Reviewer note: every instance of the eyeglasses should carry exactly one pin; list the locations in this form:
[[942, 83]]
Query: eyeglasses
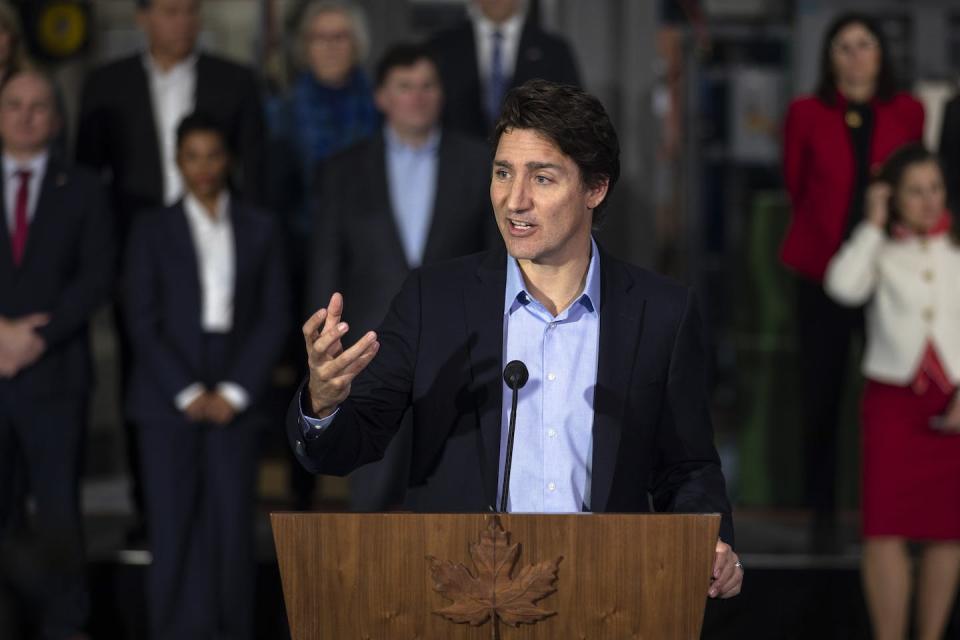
[[329, 37], [862, 45]]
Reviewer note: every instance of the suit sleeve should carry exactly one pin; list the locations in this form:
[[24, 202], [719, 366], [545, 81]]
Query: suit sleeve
[[794, 171], [381, 394], [567, 66], [687, 475], [262, 346], [93, 276], [92, 140], [141, 305]]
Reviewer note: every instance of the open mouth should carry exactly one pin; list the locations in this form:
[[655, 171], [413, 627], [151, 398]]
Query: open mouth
[[519, 225]]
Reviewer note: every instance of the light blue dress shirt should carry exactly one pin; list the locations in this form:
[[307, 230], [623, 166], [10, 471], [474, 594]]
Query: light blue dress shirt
[[553, 443], [412, 182]]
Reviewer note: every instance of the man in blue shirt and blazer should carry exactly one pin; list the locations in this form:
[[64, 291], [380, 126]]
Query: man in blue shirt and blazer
[[616, 396]]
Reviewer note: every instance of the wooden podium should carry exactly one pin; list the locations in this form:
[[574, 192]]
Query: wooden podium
[[400, 576]]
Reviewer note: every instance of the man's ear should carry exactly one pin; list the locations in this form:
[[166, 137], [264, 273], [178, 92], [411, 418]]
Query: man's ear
[[597, 193]]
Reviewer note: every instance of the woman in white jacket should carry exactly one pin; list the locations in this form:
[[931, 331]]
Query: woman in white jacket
[[904, 264]]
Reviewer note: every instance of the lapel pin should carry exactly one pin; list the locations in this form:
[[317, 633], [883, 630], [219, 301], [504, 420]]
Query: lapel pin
[[61, 179], [534, 53]]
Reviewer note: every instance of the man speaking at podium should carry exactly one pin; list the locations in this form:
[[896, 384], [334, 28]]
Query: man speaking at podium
[[614, 416]]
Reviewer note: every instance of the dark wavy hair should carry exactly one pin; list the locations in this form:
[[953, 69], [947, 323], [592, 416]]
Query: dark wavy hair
[[827, 84], [573, 120], [896, 166], [404, 54]]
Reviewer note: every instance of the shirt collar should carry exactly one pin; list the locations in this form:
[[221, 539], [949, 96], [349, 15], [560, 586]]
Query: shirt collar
[[187, 65], [394, 143], [197, 213], [35, 165], [510, 29], [516, 294]]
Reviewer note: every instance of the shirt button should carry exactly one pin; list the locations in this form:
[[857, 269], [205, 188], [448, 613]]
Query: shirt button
[[551, 376], [552, 486], [928, 275], [552, 433], [928, 314]]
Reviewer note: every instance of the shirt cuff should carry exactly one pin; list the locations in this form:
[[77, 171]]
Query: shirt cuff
[[186, 397], [235, 395], [312, 427]]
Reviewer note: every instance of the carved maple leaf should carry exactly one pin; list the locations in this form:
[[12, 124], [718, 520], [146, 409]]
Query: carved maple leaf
[[493, 591]]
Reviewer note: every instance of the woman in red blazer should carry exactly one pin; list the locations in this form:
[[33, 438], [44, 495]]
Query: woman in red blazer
[[834, 141]]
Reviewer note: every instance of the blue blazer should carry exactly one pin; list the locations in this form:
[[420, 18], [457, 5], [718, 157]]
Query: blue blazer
[[441, 351], [163, 307]]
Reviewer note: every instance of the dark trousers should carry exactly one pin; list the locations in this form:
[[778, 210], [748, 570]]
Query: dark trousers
[[41, 442], [825, 333], [199, 483]]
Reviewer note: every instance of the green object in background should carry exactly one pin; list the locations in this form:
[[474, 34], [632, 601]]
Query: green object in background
[[771, 447]]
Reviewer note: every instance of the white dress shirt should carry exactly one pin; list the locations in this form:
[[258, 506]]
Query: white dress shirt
[[37, 166], [913, 289], [214, 247], [483, 30], [173, 95]]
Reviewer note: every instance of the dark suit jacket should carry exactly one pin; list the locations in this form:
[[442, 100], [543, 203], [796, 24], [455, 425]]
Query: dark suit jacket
[[162, 307], [357, 248], [117, 133], [441, 354], [67, 271], [540, 55], [950, 152]]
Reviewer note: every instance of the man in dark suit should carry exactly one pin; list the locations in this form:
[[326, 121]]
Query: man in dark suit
[[56, 269], [128, 117], [497, 49], [423, 197], [206, 303], [607, 345]]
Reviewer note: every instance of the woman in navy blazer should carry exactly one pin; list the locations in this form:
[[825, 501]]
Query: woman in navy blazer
[[206, 302], [834, 141]]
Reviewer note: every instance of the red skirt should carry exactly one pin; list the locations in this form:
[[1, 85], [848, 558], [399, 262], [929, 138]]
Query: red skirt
[[911, 472]]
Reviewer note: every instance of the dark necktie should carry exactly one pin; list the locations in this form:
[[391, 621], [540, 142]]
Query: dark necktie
[[497, 85], [20, 224]]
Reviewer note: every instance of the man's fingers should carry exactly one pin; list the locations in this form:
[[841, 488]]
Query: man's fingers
[[311, 328], [329, 341], [336, 367], [358, 365], [334, 312]]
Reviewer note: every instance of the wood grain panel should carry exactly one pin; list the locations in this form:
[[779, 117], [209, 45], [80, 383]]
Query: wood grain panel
[[366, 576]]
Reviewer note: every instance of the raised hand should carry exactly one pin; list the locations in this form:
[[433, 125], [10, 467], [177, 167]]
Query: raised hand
[[878, 203], [332, 369]]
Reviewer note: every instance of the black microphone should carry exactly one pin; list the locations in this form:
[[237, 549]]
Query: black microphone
[[515, 374]]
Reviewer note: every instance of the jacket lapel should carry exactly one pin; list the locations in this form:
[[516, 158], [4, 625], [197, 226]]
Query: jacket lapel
[[244, 255], [378, 180], [49, 203], [181, 247], [445, 203], [141, 103], [621, 322], [483, 302]]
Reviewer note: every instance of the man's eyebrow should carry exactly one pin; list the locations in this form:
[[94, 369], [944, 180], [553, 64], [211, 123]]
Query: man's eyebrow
[[502, 163], [544, 165]]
